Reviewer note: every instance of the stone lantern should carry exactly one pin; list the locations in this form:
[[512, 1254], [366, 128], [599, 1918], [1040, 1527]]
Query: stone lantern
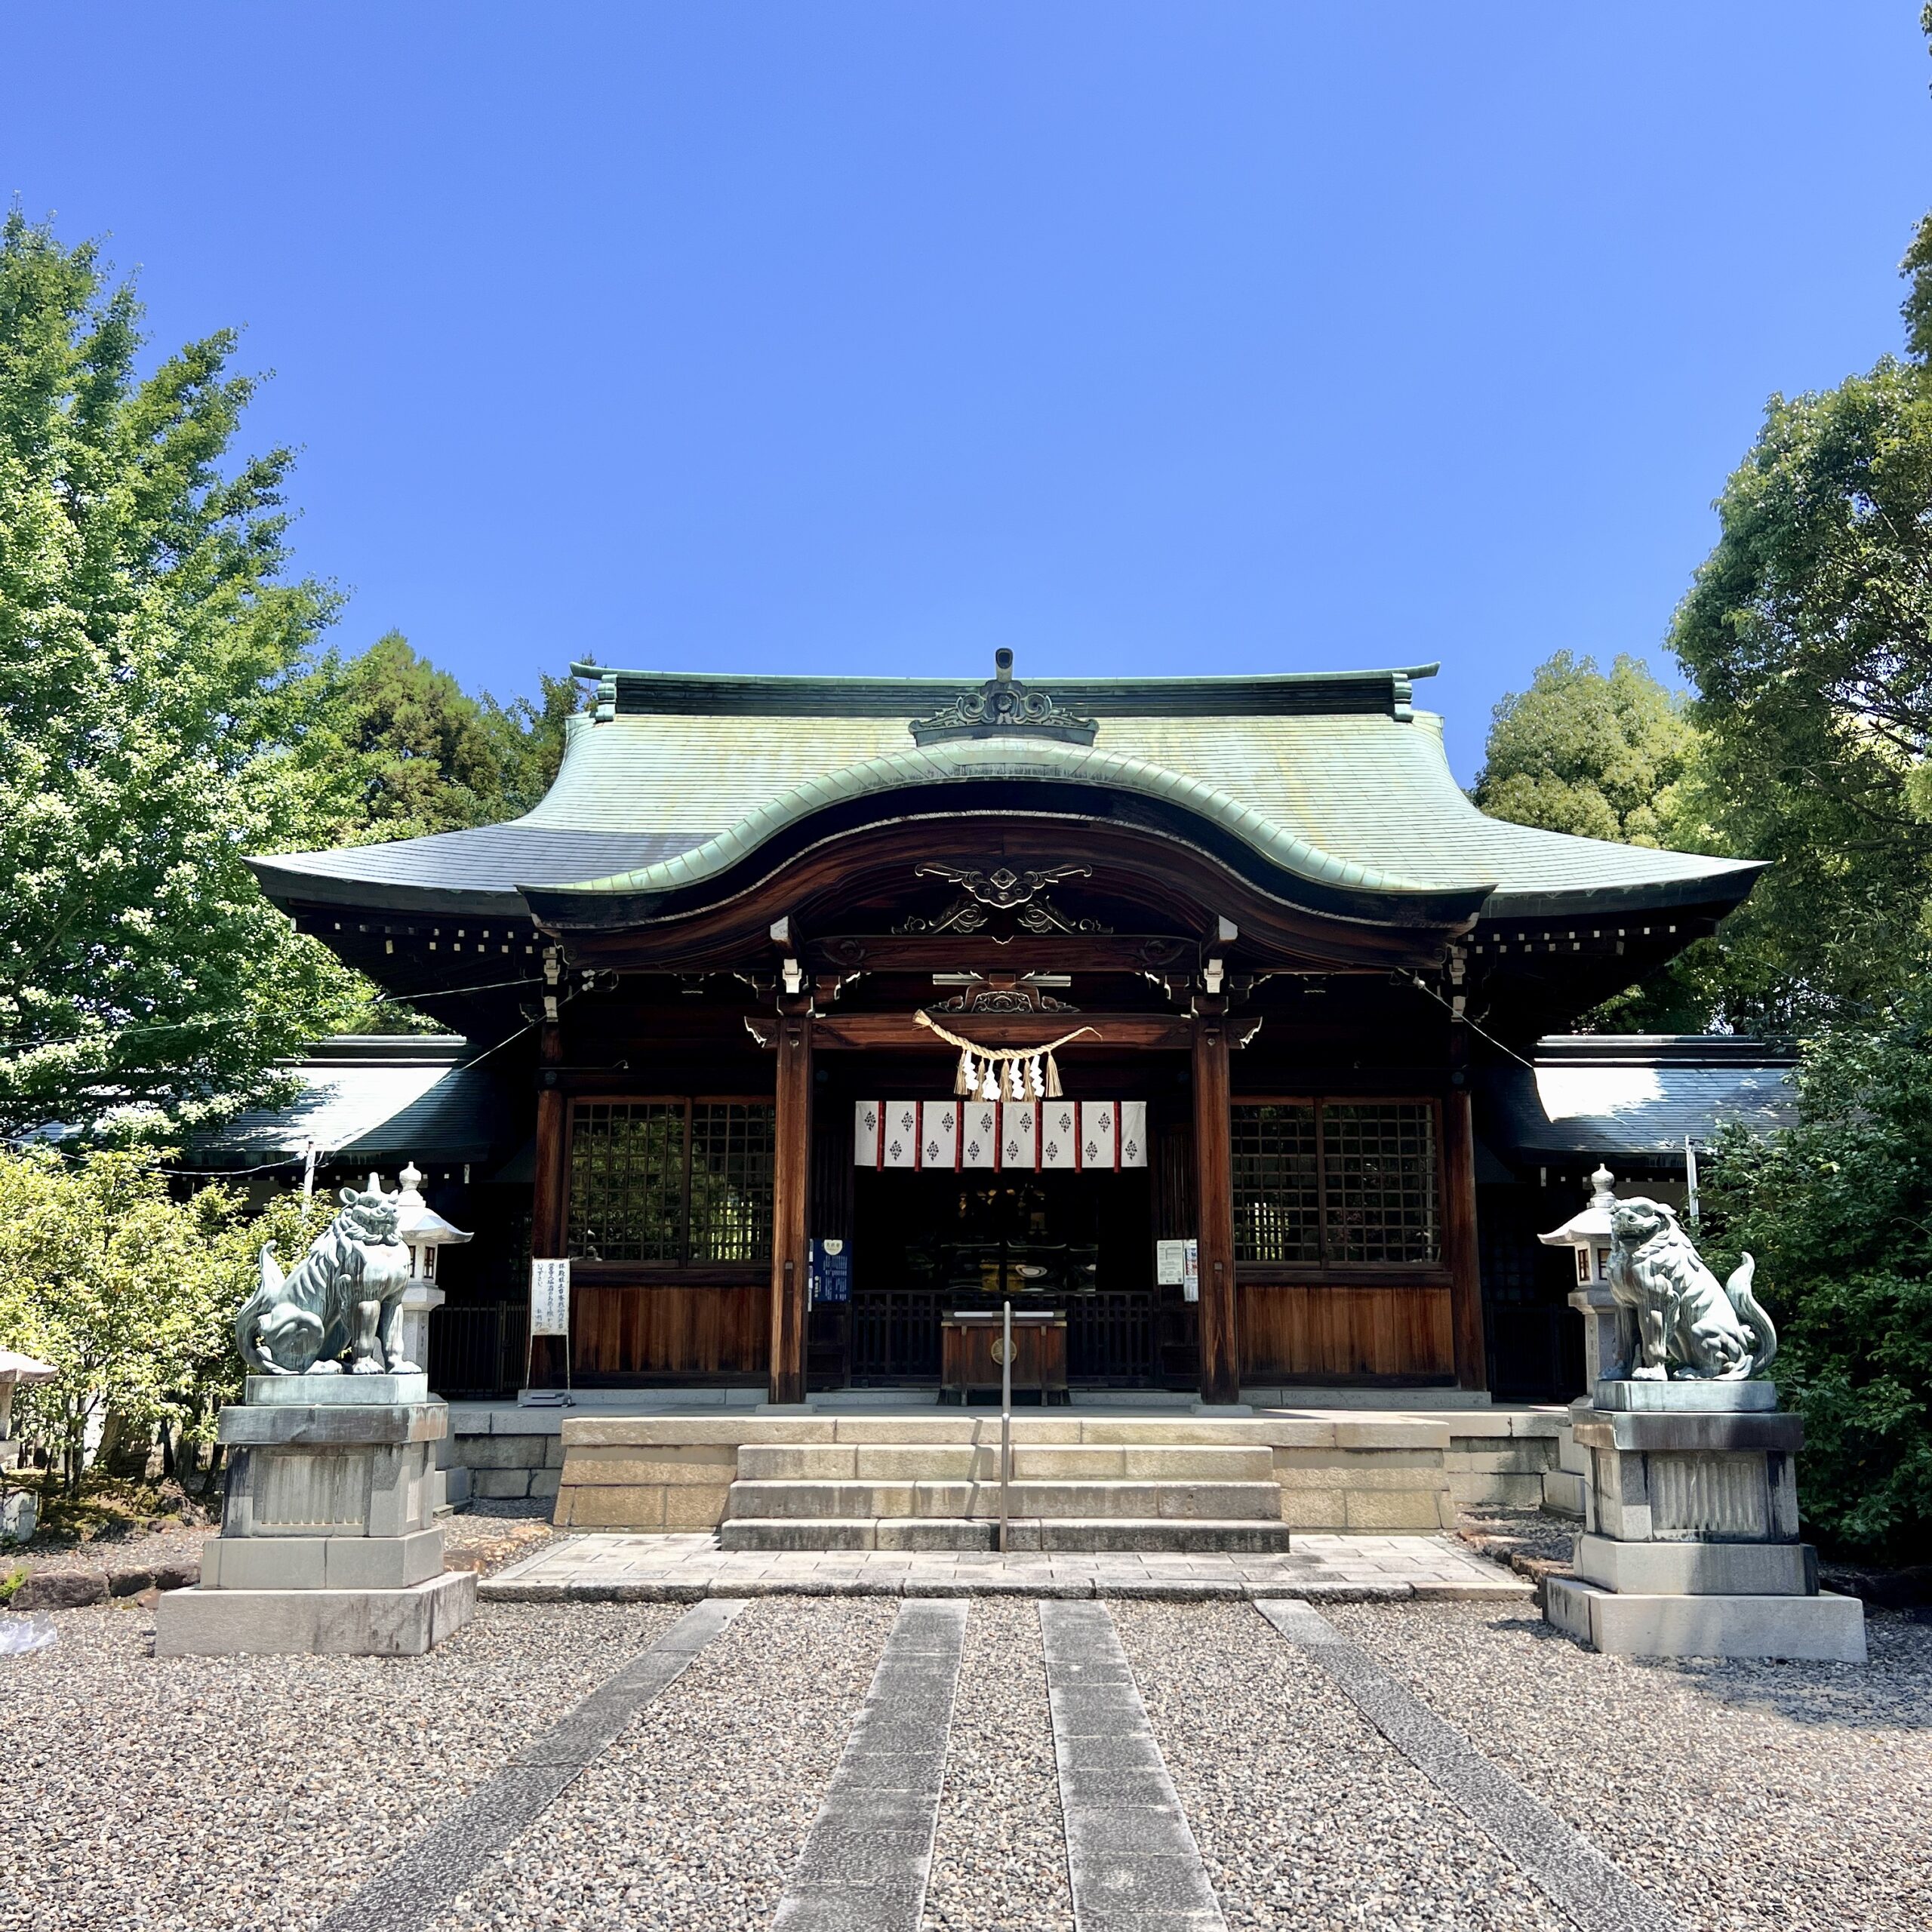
[[1588, 1237], [423, 1231]]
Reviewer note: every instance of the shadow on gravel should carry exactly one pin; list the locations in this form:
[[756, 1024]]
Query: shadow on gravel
[[1892, 1691]]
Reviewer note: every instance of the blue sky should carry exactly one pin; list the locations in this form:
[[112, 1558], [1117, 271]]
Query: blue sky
[[805, 336]]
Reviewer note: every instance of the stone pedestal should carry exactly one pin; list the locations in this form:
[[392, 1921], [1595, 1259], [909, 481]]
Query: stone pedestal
[[329, 1542], [1690, 1546], [420, 1300]]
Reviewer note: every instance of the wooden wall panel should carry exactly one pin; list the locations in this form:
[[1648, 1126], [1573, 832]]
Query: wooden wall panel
[[1321, 1333], [671, 1330]]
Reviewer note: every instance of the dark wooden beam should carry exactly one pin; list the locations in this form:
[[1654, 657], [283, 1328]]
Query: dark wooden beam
[[1459, 1239], [791, 1190], [1174, 881], [550, 1197], [1146, 1030], [1024, 953], [1220, 1351]]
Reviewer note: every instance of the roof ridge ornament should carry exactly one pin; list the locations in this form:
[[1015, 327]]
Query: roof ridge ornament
[[1003, 704]]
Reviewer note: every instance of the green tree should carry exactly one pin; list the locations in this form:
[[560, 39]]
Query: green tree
[[411, 753], [1808, 632], [1611, 755], [1599, 754], [1837, 1210], [154, 704]]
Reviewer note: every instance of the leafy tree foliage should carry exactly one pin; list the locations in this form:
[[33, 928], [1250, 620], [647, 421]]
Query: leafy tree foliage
[[1611, 755], [128, 1294], [419, 754], [1837, 1210], [164, 711], [151, 650], [1599, 754], [1809, 634]]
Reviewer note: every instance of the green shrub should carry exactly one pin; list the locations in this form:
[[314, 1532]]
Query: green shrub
[[131, 1296], [1838, 1210]]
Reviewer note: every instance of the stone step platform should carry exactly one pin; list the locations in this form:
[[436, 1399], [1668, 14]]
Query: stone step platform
[[1250, 1502], [1364, 1473], [970, 1461], [1175, 1534]]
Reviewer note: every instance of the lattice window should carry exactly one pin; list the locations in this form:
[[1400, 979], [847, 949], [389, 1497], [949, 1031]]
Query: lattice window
[[732, 1145], [671, 1180], [627, 1180], [1378, 1179], [1327, 1181], [1277, 1189]]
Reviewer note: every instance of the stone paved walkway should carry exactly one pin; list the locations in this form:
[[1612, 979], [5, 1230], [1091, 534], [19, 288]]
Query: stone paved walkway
[[1318, 1569]]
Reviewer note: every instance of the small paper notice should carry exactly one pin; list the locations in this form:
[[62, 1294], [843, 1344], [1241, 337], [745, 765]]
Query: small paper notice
[[1169, 1263], [549, 1297], [1190, 1279]]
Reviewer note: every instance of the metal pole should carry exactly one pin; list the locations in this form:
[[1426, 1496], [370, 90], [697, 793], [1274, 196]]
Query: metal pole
[[1005, 1417]]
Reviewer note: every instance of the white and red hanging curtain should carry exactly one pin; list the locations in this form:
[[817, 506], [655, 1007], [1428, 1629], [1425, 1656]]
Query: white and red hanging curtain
[[1030, 1136]]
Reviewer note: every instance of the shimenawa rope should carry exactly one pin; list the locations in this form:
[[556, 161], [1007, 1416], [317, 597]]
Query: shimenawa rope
[[980, 1067]]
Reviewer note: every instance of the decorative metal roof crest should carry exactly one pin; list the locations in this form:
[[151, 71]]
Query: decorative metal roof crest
[[1003, 704]]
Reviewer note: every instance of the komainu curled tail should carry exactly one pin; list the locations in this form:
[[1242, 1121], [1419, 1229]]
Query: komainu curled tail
[[1750, 1311]]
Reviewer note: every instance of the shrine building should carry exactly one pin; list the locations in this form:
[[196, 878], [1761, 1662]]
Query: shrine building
[[807, 1015]]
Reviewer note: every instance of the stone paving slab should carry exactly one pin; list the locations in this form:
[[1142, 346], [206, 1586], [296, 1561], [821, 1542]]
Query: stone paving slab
[[1319, 1569]]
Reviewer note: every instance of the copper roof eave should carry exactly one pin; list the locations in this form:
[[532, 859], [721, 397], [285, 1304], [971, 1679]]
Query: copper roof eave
[[1722, 892]]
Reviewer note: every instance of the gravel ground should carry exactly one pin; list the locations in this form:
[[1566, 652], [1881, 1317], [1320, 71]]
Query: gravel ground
[[220, 1795], [487, 1537], [484, 1537], [215, 1793], [999, 1854], [133, 1546], [1747, 1796], [1306, 1816], [697, 1815], [1500, 1533]]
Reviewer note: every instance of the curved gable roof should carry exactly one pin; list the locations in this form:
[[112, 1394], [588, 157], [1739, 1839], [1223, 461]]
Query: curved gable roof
[[1335, 777]]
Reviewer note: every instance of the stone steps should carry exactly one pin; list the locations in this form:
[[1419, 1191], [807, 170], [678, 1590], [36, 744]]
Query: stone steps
[[941, 1493], [1253, 1502], [965, 1461], [1071, 1533], [1374, 1474]]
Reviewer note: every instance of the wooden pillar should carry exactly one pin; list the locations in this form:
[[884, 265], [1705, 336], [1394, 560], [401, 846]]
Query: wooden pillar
[[1213, 1194], [549, 1208], [1459, 1250], [790, 1191]]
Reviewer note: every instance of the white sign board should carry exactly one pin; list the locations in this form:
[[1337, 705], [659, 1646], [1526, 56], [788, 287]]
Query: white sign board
[[1169, 1263], [1190, 1279], [549, 1297]]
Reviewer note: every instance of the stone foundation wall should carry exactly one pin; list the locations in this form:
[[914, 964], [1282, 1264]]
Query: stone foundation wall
[[1338, 1472], [1510, 1459], [506, 1453]]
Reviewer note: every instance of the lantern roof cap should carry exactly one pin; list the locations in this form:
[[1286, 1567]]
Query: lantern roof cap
[[1592, 1224], [416, 1223]]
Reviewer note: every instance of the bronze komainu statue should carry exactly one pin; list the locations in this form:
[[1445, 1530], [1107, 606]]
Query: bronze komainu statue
[[344, 1297], [1689, 1327]]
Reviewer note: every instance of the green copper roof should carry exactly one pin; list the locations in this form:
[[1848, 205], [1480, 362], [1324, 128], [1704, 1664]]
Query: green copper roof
[[1336, 779], [963, 761]]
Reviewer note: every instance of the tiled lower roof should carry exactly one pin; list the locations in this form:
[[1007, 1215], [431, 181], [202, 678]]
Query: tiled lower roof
[[1630, 1098], [384, 1100]]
